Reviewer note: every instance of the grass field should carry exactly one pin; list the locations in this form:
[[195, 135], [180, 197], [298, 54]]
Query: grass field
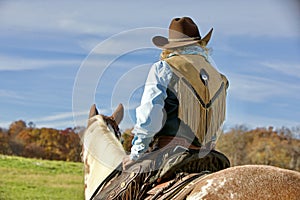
[[23, 178]]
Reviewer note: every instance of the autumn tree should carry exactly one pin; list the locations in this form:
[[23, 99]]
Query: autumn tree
[[4, 143], [127, 137], [46, 143], [16, 127], [261, 146], [233, 144]]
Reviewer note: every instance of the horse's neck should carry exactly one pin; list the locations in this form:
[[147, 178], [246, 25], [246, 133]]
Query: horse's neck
[[102, 153]]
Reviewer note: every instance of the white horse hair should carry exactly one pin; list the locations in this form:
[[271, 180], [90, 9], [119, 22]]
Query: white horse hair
[[102, 153]]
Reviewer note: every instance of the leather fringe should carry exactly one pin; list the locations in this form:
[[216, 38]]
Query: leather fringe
[[204, 120]]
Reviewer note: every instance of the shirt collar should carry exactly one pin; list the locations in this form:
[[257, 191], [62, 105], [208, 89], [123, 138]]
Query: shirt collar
[[190, 50]]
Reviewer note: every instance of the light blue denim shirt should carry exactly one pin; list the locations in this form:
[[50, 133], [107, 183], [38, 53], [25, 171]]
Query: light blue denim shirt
[[149, 114]]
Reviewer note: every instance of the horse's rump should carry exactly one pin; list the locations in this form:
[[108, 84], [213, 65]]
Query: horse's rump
[[249, 182]]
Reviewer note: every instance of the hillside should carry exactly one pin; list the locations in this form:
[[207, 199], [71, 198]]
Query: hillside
[[24, 178]]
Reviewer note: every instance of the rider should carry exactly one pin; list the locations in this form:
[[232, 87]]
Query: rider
[[157, 115], [161, 120]]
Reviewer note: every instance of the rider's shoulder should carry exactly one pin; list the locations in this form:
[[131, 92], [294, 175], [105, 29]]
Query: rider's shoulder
[[161, 66]]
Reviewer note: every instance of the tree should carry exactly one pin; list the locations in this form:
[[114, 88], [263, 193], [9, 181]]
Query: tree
[[31, 125], [126, 139], [261, 146], [4, 143], [16, 127], [233, 145]]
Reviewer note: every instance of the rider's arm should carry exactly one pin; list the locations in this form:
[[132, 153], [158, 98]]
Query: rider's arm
[[150, 113]]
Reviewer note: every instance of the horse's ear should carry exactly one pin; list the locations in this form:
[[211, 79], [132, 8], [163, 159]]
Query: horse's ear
[[93, 111], [118, 114]]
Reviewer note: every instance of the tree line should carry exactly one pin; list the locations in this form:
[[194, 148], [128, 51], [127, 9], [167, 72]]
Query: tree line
[[277, 147], [269, 146], [46, 143]]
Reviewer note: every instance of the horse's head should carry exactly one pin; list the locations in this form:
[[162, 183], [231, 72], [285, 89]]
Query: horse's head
[[112, 121], [102, 151]]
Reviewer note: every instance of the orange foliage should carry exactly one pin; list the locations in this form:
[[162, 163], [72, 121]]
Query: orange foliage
[[45, 143], [261, 146], [127, 137]]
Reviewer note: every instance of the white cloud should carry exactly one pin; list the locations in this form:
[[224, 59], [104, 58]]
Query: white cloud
[[57, 124], [124, 42], [74, 17], [256, 18], [15, 63], [291, 69], [63, 120], [10, 94], [256, 89], [59, 116], [253, 121]]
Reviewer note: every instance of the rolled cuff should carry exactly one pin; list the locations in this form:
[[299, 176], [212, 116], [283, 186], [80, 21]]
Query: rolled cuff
[[140, 144]]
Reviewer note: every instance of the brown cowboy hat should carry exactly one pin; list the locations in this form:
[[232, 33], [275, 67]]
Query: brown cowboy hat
[[182, 31]]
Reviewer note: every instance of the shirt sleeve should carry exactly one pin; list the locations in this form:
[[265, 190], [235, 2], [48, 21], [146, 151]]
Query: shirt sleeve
[[149, 114]]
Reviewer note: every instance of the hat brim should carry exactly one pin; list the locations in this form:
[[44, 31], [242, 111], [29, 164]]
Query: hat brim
[[164, 43]]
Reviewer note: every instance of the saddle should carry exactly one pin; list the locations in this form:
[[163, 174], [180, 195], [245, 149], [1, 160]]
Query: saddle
[[162, 174], [167, 172]]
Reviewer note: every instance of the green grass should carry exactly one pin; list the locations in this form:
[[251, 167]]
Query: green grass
[[24, 178]]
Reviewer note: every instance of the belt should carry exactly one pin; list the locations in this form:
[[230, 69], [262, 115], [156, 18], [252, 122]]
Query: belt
[[163, 141]]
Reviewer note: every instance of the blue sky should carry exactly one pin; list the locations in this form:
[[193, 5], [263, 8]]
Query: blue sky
[[58, 57]]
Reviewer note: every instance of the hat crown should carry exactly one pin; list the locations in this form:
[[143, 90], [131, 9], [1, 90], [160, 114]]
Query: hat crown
[[183, 28], [182, 32]]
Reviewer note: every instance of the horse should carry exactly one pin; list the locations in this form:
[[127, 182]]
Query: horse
[[103, 153]]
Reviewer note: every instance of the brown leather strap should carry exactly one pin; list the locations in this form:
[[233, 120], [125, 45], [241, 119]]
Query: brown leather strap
[[175, 189], [163, 141]]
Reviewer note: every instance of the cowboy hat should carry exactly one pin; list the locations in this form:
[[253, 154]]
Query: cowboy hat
[[182, 31]]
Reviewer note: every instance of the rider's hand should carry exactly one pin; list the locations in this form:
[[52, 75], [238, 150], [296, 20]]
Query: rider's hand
[[126, 161]]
